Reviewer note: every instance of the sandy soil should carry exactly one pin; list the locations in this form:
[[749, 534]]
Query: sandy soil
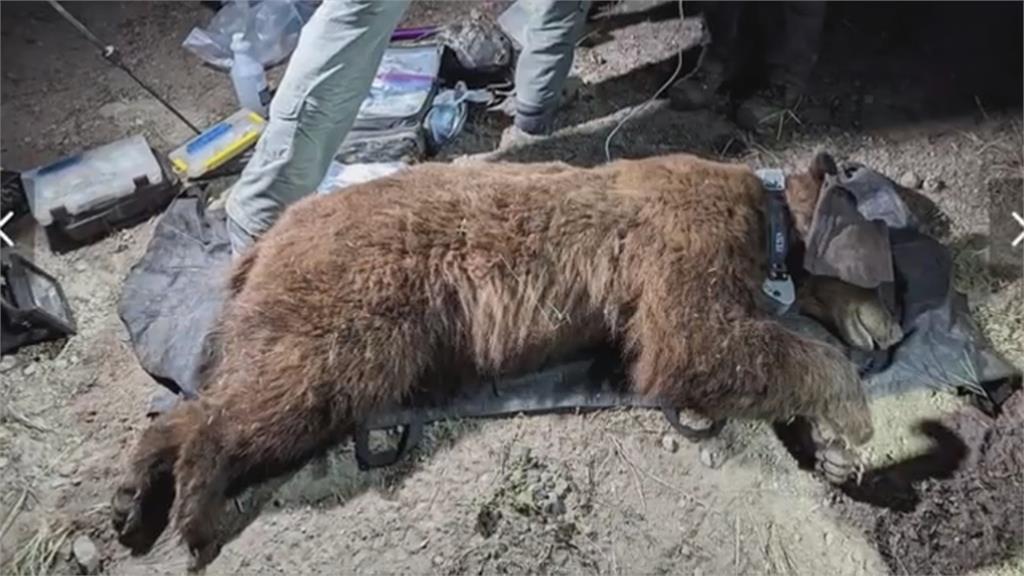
[[611, 493]]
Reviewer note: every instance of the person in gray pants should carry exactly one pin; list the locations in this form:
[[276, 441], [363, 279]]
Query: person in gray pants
[[328, 78]]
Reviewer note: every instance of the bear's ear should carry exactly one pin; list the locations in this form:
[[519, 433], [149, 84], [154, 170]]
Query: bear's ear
[[803, 190], [823, 165]]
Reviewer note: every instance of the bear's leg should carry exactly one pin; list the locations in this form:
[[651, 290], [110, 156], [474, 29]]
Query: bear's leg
[[751, 368], [307, 397], [141, 504]]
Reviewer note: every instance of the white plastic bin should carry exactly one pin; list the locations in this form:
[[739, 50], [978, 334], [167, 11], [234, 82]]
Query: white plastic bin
[[93, 178]]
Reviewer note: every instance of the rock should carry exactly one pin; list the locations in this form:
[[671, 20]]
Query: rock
[[828, 538], [932, 184], [711, 457], [29, 370], [669, 443], [68, 469], [535, 490], [523, 502], [553, 506], [7, 363], [910, 179], [830, 500], [81, 266], [86, 555], [561, 487], [694, 421]]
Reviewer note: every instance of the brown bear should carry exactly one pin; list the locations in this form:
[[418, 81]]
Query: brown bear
[[354, 298]]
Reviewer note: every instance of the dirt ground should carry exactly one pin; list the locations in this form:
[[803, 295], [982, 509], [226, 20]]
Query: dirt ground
[[609, 493]]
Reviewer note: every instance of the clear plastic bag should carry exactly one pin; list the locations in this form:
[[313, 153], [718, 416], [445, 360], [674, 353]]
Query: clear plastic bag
[[449, 110], [271, 26], [404, 82], [343, 175]]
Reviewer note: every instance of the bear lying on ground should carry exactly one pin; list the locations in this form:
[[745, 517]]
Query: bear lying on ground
[[354, 298]]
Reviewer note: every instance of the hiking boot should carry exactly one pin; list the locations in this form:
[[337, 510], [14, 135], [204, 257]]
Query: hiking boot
[[770, 110], [508, 105], [700, 90]]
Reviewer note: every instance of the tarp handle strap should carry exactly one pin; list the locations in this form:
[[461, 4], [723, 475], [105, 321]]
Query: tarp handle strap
[[412, 433]]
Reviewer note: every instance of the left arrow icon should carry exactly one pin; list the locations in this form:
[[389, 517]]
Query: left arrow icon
[[3, 236]]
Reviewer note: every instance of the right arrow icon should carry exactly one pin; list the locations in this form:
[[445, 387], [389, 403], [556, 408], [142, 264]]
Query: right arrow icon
[[1020, 220]]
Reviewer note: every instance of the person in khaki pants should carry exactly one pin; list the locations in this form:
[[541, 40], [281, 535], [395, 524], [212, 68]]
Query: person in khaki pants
[[328, 78]]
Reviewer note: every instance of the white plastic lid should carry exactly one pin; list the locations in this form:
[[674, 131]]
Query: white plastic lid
[[81, 182], [239, 43]]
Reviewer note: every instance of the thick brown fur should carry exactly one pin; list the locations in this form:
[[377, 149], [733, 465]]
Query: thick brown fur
[[352, 298]]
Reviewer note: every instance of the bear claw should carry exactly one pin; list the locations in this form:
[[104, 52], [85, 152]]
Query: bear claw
[[126, 515], [837, 464]]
